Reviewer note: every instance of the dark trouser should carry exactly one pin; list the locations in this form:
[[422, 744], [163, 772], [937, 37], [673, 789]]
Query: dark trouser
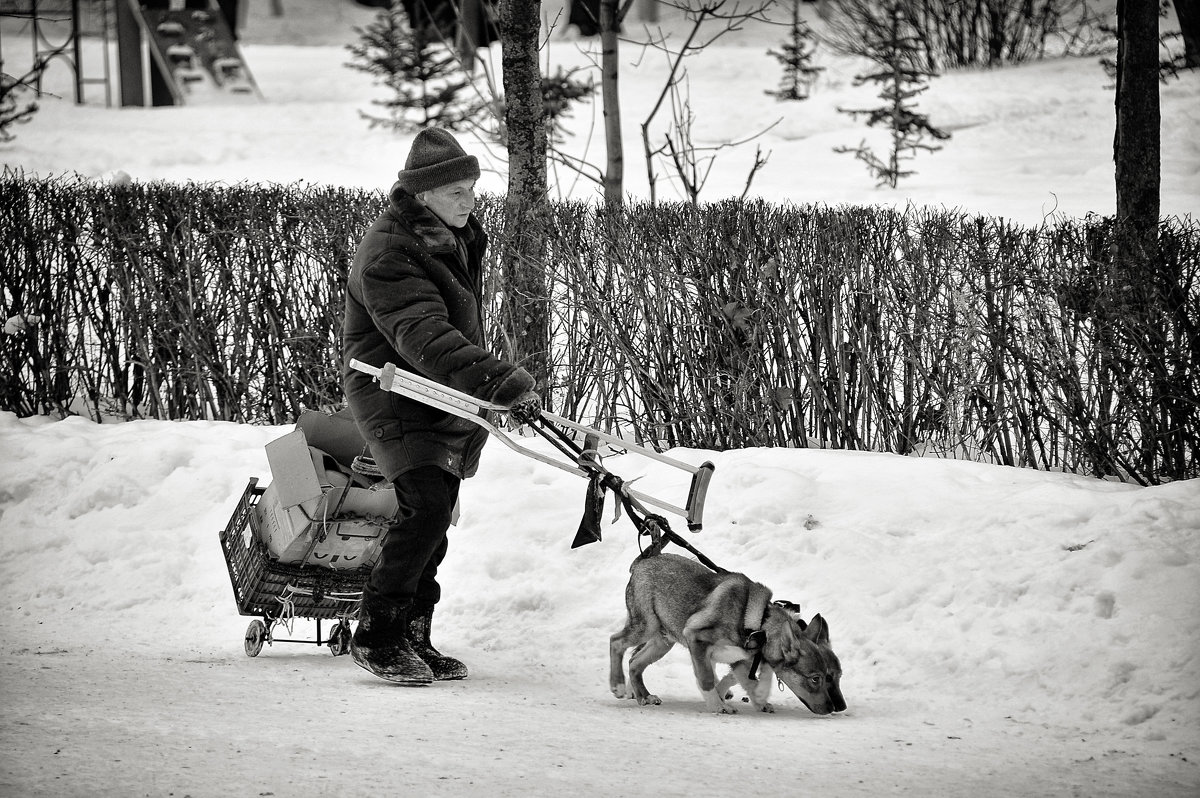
[[406, 571]]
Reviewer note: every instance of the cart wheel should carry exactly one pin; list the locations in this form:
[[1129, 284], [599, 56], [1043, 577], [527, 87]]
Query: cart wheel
[[256, 633], [339, 639]]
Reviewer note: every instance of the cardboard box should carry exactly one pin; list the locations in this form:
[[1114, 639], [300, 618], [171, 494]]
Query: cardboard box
[[317, 513]]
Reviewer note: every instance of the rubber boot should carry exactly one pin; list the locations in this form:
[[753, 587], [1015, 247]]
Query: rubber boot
[[443, 668], [380, 643]]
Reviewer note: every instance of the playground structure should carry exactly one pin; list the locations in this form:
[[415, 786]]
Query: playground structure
[[184, 52], [186, 48]]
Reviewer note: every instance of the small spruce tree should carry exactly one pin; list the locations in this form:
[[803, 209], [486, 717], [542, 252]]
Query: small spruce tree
[[899, 53], [560, 91], [429, 86], [15, 107], [799, 74]]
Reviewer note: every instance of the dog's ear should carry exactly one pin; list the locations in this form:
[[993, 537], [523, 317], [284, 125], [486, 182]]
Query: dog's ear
[[817, 630], [785, 646]]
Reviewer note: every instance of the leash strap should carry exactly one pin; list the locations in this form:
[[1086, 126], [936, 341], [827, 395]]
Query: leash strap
[[757, 637], [649, 524]]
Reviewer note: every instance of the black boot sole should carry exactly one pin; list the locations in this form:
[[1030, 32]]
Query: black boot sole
[[393, 677]]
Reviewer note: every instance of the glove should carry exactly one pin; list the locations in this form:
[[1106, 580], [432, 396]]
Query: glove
[[526, 408], [517, 383]]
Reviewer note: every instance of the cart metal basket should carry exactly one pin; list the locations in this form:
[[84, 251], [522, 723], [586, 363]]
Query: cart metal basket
[[280, 592]]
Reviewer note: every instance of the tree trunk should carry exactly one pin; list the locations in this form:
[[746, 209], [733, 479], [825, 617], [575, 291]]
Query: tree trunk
[[1138, 323], [525, 307], [614, 173], [470, 33], [1137, 146], [1188, 14]]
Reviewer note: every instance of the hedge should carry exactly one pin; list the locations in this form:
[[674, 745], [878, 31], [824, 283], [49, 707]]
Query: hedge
[[732, 324]]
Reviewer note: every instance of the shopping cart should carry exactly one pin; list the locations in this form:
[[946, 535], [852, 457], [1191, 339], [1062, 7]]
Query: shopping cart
[[279, 593]]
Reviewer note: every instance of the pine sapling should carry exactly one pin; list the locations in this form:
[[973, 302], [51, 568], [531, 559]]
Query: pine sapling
[[15, 107], [429, 85], [560, 92], [898, 54], [799, 73]]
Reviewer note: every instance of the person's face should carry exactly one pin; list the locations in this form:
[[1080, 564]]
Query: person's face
[[452, 203]]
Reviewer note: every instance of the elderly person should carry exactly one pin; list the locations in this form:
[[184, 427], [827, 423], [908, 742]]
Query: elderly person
[[413, 298]]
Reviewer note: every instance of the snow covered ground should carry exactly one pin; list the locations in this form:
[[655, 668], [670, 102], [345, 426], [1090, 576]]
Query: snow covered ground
[[1002, 632]]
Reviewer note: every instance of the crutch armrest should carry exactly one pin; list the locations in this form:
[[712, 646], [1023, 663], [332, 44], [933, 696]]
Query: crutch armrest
[[696, 495]]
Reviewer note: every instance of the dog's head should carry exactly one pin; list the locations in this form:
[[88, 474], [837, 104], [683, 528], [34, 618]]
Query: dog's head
[[802, 659]]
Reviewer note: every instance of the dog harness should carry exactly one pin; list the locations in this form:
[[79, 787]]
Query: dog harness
[[755, 637], [754, 642]]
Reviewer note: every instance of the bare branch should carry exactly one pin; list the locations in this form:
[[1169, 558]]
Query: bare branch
[[760, 161]]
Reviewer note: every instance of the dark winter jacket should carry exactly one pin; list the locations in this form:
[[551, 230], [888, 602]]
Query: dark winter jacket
[[413, 298]]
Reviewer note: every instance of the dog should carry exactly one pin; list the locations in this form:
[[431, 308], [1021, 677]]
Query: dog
[[720, 617]]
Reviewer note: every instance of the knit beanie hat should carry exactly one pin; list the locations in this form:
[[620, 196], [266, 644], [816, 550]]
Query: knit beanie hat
[[435, 160]]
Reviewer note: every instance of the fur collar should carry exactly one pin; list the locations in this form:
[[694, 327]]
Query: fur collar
[[428, 229]]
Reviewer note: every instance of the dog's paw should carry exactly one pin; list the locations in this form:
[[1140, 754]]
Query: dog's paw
[[767, 708], [649, 700], [620, 691], [725, 709]]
